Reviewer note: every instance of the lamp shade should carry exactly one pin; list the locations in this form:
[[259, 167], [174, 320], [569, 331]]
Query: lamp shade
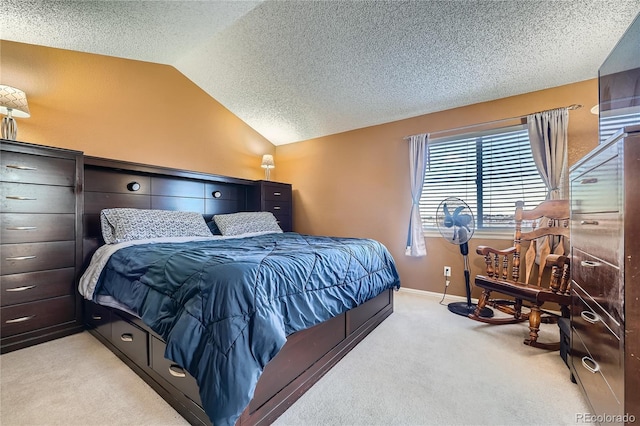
[[15, 100], [267, 162]]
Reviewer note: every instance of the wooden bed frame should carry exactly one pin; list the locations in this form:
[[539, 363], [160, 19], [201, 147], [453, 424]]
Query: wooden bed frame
[[304, 359]]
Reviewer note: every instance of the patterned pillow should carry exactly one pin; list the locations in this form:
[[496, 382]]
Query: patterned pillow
[[125, 224], [242, 223]]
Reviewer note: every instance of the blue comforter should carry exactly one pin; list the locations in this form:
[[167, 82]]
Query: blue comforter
[[226, 307]]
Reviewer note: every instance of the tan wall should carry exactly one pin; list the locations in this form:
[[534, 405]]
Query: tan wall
[[352, 184], [128, 110], [357, 183]]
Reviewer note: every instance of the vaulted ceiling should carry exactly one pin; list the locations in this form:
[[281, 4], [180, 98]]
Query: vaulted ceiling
[[296, 70]]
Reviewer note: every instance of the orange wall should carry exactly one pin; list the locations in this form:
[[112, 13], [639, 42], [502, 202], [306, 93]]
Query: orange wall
[[353, 184], [128, 110], [357, 183]]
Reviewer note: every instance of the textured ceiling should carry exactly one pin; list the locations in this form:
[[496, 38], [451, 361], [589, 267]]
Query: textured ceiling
[[295, 70]]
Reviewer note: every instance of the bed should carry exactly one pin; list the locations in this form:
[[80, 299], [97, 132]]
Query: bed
[[229, 329]]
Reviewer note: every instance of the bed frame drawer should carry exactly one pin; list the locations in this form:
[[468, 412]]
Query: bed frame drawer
[[301, 351], [98, 318], [356, 317], [130, 339], [172, 372]]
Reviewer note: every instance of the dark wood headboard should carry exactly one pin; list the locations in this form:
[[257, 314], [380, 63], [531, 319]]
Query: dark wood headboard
[[112, 183]]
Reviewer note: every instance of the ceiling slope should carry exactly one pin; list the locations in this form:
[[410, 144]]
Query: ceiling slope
[[296, 70]]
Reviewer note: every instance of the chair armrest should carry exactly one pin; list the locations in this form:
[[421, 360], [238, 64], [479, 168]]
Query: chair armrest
[[485, 250], [557, 260]]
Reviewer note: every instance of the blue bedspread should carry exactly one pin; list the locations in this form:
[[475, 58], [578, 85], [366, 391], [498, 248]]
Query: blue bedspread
[[225, 307]]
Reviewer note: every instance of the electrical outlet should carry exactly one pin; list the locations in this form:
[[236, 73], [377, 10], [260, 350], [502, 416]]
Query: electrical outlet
[[447, 271]]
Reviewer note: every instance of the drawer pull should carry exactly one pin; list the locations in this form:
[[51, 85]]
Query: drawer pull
[[21, 228], [15, 166], [590, 364], [588, 181], [276, 207], [590, 317], [21, 258], [21, 319], [590, 264], [96, 317], [588, 222], [17, 197], [23, 288], [176, 371], [127, 337], [277, 194]]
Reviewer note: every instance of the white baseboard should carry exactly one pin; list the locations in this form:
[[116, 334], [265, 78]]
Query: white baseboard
[[434, 294]]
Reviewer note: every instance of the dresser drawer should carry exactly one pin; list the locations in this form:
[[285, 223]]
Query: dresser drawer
[[601, 281], [28, 168], [18, 258], [30, 228], [130, 339], [599, 234], [284, 221], [277, 207], [27, 287], [597, 190], [276, 192], [28, 198], [172, 372], [601, 396], [34, 315]]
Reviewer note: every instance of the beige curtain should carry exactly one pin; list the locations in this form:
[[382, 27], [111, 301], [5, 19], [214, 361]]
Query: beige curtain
[[418, 160], [548, 138]]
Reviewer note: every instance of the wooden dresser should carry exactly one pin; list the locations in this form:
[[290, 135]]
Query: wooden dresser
[[40, 215], [274, 197], [605, 268]]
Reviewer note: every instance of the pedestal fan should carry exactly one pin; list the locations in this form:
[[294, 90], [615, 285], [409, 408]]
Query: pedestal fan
[[456, 225]]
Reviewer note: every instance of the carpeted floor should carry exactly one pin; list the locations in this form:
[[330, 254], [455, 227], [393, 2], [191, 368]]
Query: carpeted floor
[[421, 366]]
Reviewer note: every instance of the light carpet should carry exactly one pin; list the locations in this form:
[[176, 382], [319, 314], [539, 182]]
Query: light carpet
[[422, 366]]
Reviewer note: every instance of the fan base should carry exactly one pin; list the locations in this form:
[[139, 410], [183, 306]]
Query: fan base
[[462, 308]]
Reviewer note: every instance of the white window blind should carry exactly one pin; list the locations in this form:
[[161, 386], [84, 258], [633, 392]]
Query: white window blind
[[610, 125], [490, 171]]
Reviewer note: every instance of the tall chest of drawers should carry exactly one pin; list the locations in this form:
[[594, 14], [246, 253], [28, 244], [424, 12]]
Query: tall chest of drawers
[[605, 269], [40, 248], [274, 197]]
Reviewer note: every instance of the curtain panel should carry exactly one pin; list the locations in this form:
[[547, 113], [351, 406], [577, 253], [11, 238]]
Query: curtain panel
[[548, 137], [418, 161]]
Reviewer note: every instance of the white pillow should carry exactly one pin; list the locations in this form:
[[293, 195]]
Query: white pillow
[[246, 222], [125, 224]]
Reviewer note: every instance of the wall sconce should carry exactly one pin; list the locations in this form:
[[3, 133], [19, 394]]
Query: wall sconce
[[267, 165], [13, 103]]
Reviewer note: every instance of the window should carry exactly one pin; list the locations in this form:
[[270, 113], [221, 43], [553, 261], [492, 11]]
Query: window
[[490, 171], [611, 124]]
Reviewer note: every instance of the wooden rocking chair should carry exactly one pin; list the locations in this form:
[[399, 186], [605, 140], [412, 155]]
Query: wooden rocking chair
[[549, 283]]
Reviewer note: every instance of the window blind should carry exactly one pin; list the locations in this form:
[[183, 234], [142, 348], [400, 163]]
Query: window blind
[[610, 125], [490, 171]]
